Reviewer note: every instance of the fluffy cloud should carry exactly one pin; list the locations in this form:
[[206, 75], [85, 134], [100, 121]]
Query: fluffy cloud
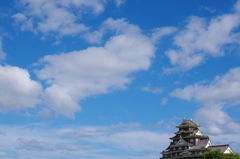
[[216, 120], [96, 70], [57, 16], [17, 90], [201, 39], [223, 90]]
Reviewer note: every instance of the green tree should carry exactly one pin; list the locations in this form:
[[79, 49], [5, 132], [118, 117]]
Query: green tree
[[232, 156], [216, 154]]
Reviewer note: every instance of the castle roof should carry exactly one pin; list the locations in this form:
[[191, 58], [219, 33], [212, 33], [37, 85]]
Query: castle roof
[[189, 142], [187, 123], [223, 148]]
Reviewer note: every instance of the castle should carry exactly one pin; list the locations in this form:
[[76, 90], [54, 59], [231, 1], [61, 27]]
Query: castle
[[190, 143]]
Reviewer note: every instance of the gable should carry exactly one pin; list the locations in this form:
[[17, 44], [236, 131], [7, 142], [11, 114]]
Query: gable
[[199, 132], [181, 142], [208, 144], [228, 150]]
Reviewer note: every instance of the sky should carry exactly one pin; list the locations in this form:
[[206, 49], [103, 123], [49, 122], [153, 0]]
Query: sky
[[110, 79]]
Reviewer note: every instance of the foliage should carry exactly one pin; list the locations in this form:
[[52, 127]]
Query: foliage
[[216, 154]]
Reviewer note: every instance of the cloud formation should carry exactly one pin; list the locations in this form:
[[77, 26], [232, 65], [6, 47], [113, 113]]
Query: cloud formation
[[93, 132], [123, 136], [45, 141], [56, 16], [96, 70], [223, 90], [35, 145], [17, 90], [158, 33], [201, 39]]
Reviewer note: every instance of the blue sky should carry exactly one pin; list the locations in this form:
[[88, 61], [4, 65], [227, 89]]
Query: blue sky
[[112, 78]]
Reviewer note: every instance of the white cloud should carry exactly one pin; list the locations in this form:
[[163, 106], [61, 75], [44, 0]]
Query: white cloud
[[119, 26], [125, 125], [160, 123], [148, 88], [96, 70], [94, 37], [35, 145], [26, 24], [17, 90], [2, 54], [119, 2], [208, 9], [201, 39], [93, 132], [56, 43], [223, 90], [44, 141], [231, 139], [140, 141], [56, 16], [158, 33], [58, 99], [128, 139], [164, 101], [87, 132]]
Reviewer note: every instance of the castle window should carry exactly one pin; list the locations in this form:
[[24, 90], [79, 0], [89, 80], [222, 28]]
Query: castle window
[[191, 140], [180, 148]]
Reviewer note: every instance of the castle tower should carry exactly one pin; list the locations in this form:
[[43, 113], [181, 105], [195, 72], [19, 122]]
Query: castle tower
[[190, 143]]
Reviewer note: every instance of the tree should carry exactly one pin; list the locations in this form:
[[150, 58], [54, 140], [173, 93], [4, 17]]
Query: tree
[[216, 154]]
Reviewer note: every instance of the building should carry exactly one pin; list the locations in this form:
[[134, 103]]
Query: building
[[190, 143]]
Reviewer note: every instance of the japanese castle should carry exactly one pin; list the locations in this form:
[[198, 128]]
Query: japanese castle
[[190, 143]]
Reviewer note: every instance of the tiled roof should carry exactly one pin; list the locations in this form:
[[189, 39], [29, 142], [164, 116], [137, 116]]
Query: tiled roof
[[201, 144], [223, 148]]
